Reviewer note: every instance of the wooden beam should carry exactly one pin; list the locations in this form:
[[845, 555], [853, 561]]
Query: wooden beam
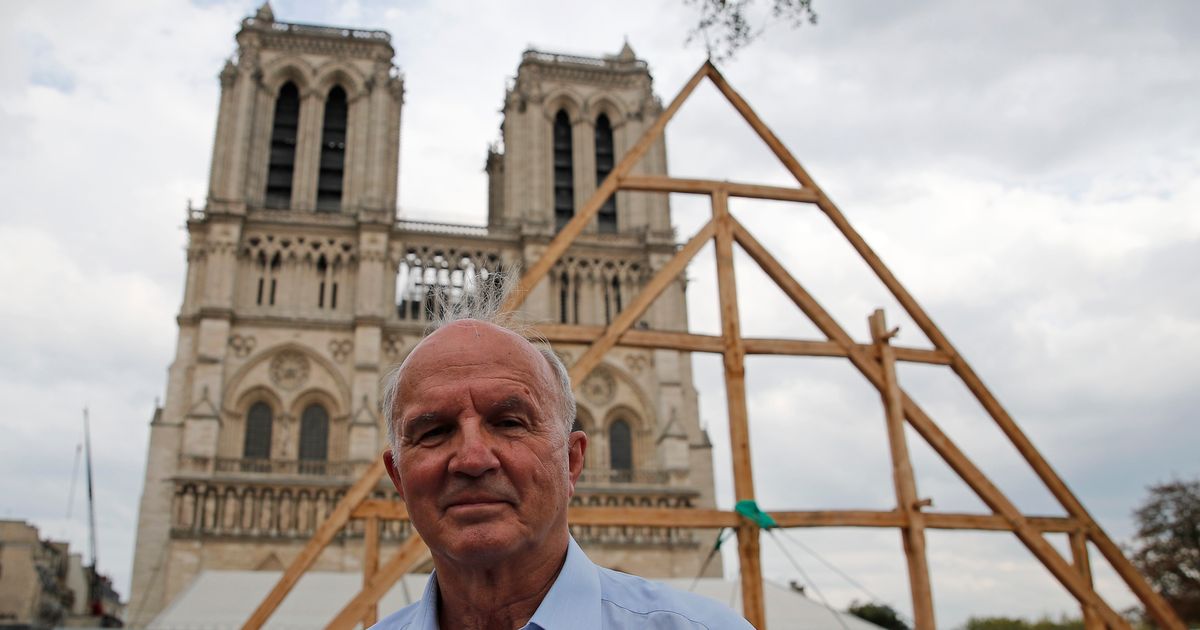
[[921, 355], [707, 518], [1083, 564], [657, 339], [950, 453], [710, 518], [575, 226], [690, 342], [325, 533], [749, 554], [662, 183], [652, 517], [370, 565], [995, 522], [1155, 604], [411, 553], [381, 508], [912, 533], [813, 348], [658, 283]]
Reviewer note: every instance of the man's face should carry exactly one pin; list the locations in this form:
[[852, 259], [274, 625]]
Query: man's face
[[484, 464]]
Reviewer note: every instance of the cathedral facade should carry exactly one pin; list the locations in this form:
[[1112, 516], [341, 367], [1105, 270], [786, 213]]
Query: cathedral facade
[[303, 289]]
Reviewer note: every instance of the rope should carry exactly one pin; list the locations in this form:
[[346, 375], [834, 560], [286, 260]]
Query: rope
[[749, 509], [850, 580], [803, 574], [825, 562], [721, 538]]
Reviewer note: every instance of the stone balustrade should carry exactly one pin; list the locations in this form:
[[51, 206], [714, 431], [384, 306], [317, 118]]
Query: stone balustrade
[[628, 535], [253, 507]]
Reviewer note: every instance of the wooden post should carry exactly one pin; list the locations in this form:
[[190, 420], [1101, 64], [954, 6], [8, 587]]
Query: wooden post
[[337, 519], [753, 604], [913, 532], [370, 565], [1079, 554]]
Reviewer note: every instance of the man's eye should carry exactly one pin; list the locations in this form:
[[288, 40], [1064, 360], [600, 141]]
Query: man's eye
[[433, 434], [509, 423]]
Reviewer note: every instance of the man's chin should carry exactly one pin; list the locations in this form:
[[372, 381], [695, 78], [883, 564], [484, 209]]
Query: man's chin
[[483, 544]]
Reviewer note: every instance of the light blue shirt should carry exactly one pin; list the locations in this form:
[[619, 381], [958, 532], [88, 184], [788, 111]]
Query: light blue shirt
[[588, 597]]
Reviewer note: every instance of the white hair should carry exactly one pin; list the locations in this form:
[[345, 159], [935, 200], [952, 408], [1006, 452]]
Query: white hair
[[482, 299]]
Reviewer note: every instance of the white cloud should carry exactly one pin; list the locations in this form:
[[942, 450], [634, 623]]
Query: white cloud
[[1027, 170]]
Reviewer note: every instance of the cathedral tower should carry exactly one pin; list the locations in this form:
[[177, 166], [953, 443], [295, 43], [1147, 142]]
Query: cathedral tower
[[303, 288]]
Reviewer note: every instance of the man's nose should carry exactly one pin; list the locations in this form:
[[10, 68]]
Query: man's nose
[[474, 455]]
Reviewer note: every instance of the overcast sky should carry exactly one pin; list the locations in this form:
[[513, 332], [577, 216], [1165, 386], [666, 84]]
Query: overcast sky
[[1030, 171]]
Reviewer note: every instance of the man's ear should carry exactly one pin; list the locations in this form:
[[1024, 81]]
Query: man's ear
[[576, 448], [390, 464]]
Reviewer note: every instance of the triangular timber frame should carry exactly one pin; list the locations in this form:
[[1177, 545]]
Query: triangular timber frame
[[876, 361]]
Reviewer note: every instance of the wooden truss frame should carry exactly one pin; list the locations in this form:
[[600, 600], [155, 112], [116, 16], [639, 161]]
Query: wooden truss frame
[[876, 361]]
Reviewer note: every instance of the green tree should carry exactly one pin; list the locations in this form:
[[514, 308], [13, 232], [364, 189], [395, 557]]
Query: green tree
[[1016, 623], [878, 614], [727, 26], [1166, 547]]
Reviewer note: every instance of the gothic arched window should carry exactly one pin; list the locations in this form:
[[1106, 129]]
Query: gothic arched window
[[282, 162], [257, 443], [564, 173], [276, 263], [620, 450], [564, 291], [605, 159], [325, 279], [612, 300], [333, 152], [261, 265], [314, 439]]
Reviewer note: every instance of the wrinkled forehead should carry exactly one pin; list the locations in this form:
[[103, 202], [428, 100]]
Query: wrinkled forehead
[[472, 349]]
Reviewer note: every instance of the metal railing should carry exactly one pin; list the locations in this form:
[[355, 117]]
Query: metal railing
[[437, 227]]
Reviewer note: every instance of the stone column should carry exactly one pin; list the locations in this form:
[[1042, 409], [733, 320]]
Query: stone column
[[308, 151], [225, 123], [237, 150], [583, 163], [374, 120], [354, 192], [394, 107]]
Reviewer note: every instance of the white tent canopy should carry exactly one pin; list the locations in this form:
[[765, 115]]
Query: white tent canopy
[[222, 600]]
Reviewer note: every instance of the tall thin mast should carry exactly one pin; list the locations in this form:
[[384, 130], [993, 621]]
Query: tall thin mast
[[87, 441]]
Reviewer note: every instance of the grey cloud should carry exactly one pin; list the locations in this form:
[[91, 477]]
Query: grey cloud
[[1024, 168]]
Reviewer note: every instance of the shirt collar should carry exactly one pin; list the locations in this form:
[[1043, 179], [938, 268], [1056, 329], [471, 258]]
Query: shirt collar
[[574, 599], [426, 613]]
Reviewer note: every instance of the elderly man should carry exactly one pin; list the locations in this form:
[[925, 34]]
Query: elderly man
[[483, 454]]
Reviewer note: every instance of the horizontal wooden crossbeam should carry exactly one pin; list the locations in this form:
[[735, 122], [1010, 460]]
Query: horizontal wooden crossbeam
[[690, 342], [708, 518], [658, 183]]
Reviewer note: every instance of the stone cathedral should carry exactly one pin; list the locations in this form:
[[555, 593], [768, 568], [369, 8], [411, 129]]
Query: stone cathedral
[[303, 288]]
